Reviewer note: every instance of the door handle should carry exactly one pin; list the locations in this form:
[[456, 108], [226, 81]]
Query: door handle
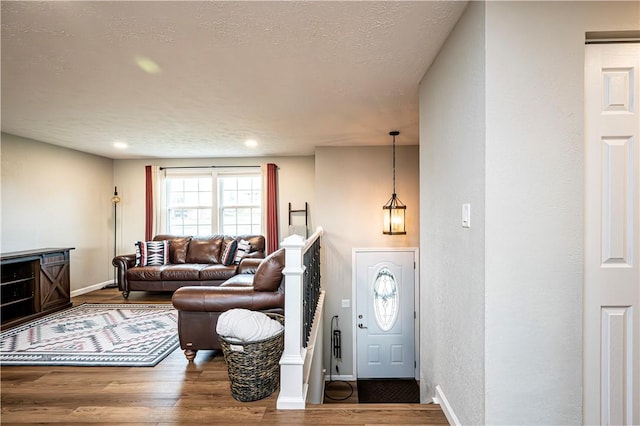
[[361, 326]]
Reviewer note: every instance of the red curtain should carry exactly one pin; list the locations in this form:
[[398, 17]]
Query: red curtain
[[272, 208], [148, 204]]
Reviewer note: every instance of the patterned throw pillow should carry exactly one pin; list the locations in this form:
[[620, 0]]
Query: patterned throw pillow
[[229, 254], [152, 253], [243, 249]]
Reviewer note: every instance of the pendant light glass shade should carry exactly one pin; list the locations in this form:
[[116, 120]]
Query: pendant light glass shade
[[393, 217], [393, 212]]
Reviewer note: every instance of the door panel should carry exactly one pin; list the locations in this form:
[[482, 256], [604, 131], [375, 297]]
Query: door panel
[[612, 243], [385, 323]]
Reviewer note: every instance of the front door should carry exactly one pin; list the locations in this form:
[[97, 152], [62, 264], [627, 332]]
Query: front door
[[385, 315], [611, 392]]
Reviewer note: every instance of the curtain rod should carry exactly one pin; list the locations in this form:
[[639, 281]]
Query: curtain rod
[[207, 167]]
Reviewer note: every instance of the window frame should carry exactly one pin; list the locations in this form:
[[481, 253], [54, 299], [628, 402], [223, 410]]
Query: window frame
[[215, 203], [220, 205]]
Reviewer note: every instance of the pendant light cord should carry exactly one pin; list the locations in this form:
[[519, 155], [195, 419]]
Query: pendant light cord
[[394, 164], [394, 133]]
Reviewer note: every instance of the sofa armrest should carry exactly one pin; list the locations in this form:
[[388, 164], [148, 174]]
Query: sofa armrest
[[221, 299], [248, 265], [122, 263], [124, 260]]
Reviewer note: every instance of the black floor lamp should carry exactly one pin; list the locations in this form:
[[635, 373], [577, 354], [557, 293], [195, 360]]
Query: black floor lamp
[[115, 200]]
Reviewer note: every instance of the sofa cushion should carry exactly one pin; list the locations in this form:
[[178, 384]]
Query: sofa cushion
[[178, 246], [269, 273], [257, 245], [178, 250], [152, 253], [239, 280], [146, 273], [204, 249], [248, 266], [186, 272], [217, 272]]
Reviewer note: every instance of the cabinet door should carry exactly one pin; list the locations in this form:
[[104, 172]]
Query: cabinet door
[[18, 290], [54, 280]]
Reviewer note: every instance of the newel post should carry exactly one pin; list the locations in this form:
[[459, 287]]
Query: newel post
[[293, 391]]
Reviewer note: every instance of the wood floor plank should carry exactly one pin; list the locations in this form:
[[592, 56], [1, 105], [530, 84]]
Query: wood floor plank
[[325, 415], [173, 392], [175, 415]]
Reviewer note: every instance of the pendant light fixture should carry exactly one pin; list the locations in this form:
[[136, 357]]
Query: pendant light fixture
[[394, 211]]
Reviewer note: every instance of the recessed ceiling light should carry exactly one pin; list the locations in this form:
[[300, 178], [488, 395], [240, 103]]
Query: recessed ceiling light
[[251, 143], [148, 65], [120, 145]]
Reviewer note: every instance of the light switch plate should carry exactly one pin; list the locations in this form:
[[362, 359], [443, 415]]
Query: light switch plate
[[346, 303], [466, 215]]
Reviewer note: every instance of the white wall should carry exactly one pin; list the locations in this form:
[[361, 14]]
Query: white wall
[[352, 185], [452, 141], [295, 185], [534, 198], [533, 247], [57, 197]]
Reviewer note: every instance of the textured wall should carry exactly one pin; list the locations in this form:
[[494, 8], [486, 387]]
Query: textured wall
[[534, 198], [58, 197], [521, 148], [452, 141], [352, 185]]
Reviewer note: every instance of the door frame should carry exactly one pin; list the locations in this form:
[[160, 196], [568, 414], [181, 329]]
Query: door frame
[[608, 320], [416, 302]]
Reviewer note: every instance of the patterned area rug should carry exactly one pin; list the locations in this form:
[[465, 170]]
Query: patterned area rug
[[118, 335]]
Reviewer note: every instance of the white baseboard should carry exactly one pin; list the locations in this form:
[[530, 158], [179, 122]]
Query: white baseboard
[[446, 407], [90, 288]]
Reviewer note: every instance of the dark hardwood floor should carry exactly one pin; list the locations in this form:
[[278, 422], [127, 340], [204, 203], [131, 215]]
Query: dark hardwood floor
[[173, 392]]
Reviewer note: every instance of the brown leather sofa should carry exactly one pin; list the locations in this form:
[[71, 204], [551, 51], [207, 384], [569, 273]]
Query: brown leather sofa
[[199, 307], [193, 261]]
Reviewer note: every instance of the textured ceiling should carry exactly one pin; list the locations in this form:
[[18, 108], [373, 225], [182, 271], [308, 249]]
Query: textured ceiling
[[290, 75]]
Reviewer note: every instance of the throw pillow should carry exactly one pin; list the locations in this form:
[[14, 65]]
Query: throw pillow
[[229, 253], [152, 253], [269, 272], [243, 249]]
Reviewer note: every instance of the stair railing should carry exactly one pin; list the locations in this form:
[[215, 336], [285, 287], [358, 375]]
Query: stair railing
[[301, 362]]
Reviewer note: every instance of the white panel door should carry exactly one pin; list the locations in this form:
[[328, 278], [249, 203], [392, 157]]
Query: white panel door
[[385, 318], [612, 245]]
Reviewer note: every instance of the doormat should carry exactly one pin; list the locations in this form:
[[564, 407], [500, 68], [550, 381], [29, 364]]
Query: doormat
[[384, 391], [114, 335]]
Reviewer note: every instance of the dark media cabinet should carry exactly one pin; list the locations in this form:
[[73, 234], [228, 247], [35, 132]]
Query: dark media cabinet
[[33, 283]]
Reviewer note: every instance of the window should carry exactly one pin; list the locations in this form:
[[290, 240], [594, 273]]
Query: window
[[385, 299], [189, 205], [240, 204], [205, 203]]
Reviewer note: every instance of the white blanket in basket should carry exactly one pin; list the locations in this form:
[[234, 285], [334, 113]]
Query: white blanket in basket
[[243, 325]]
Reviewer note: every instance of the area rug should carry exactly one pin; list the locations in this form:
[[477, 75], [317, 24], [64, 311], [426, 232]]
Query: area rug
[[383, 391], [118, 335]]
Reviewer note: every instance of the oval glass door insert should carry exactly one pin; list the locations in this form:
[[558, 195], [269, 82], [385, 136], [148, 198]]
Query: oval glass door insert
[[385, 299]]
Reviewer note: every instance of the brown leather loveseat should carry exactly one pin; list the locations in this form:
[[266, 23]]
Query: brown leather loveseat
[[193, 261], [199, 307]]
